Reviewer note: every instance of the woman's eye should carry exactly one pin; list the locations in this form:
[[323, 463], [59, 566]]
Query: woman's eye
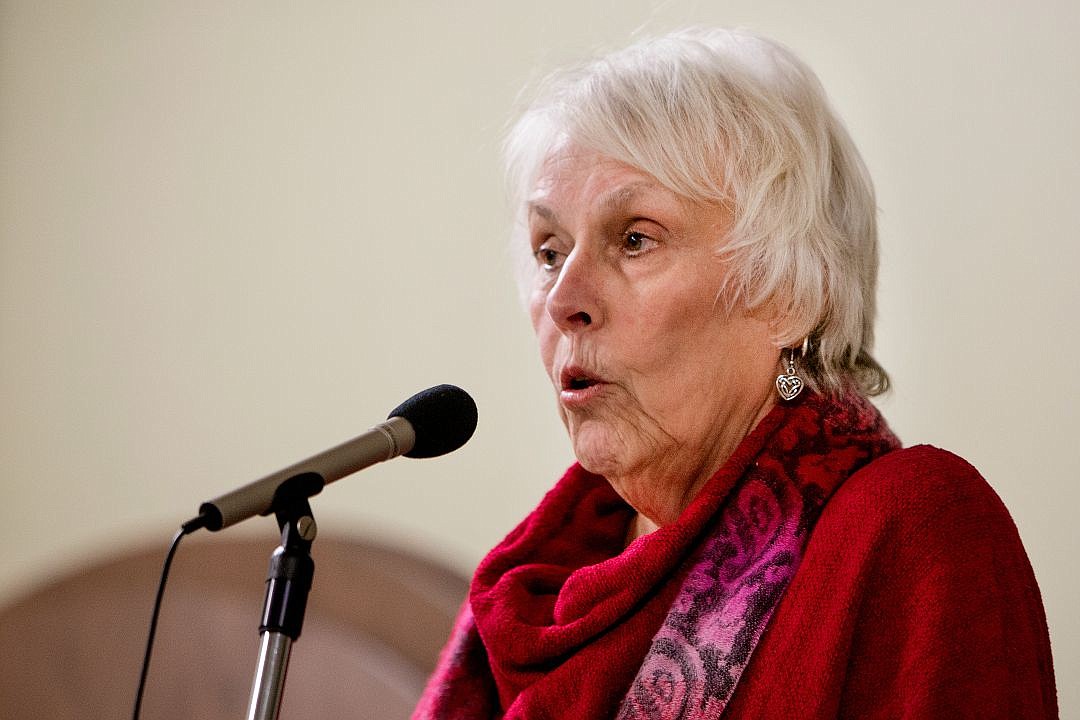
[[549, 258], [635, 243]]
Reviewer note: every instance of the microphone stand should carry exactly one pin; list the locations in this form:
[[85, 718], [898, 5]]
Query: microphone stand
[[288, 581]]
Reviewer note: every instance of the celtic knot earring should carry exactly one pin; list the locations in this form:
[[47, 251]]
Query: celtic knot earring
[[789, 384]]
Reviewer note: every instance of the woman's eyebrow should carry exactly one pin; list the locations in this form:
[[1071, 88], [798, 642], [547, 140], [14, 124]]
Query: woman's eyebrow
[[543, 211], [620, 198], [615, 200]]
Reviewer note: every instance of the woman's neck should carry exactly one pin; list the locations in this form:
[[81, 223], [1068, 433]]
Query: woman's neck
[[639, 526]]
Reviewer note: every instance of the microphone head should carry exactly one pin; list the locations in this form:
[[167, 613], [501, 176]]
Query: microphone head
[[443, 418]]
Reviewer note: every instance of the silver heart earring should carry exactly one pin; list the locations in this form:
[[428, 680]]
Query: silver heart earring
[[789, 384]]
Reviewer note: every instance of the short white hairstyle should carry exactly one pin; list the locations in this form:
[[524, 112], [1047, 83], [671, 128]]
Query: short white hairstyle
[[726, 116]]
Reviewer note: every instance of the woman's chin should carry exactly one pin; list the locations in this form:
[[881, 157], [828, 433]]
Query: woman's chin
[[598, 451]]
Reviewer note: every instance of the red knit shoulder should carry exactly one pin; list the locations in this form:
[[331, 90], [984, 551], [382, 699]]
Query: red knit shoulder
[[916, 485], [914, 598], [921, 505]]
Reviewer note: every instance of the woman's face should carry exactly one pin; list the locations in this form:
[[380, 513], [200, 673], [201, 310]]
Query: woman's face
[[655, 382]]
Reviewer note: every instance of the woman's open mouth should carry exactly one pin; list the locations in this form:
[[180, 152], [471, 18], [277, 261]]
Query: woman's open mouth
[[578, 386]]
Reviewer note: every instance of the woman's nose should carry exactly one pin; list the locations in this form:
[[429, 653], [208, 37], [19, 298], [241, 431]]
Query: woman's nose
[[575, 300]]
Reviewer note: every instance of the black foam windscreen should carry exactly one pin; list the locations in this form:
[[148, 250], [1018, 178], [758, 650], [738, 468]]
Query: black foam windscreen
[[443, 418]]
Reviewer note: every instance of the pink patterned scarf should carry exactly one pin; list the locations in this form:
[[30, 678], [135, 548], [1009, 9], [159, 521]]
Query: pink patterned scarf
[[563, 622]]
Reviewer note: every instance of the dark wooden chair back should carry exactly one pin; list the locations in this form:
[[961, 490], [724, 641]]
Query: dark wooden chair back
[[376, 620]]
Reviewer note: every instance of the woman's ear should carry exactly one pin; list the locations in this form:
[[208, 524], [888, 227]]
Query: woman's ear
[[780, 330]]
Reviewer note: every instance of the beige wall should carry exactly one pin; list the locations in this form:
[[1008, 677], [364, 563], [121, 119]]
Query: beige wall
[[233, 234]]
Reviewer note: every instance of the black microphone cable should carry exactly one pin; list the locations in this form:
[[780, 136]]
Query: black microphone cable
[[186, 529]]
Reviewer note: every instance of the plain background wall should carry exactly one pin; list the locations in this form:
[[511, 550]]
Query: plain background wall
[[235, 233]]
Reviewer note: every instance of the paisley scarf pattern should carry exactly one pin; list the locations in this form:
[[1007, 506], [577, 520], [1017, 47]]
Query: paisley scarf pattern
[[562, 622]]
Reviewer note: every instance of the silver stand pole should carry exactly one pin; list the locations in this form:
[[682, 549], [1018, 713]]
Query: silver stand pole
[[287, 584], [270, 676]]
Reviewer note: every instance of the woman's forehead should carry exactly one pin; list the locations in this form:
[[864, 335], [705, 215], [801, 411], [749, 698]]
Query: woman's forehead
[[573, 176], [583, 182]]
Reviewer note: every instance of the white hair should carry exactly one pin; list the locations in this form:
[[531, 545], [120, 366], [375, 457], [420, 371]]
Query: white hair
[[729, 117]]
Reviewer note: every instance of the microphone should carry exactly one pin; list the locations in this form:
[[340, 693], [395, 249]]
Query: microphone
[[432, 422]]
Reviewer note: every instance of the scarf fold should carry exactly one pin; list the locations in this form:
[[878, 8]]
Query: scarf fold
[[563, 622]]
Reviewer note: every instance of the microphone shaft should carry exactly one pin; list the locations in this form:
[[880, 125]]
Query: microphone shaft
[[384, 441]]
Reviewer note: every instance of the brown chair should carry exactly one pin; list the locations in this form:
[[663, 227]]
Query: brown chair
[[376, 620]]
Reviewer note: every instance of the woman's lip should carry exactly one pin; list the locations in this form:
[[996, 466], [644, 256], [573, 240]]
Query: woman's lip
[[579, 397], [572, 375]]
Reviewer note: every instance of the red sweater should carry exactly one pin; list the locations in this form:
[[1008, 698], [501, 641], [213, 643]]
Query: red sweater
[[914, 599]]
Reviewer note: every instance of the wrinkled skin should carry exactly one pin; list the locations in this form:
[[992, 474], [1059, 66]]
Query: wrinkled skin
[[656, 383]]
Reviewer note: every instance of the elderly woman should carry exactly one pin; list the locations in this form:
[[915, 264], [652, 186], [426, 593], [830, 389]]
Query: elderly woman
[[742, 534]]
